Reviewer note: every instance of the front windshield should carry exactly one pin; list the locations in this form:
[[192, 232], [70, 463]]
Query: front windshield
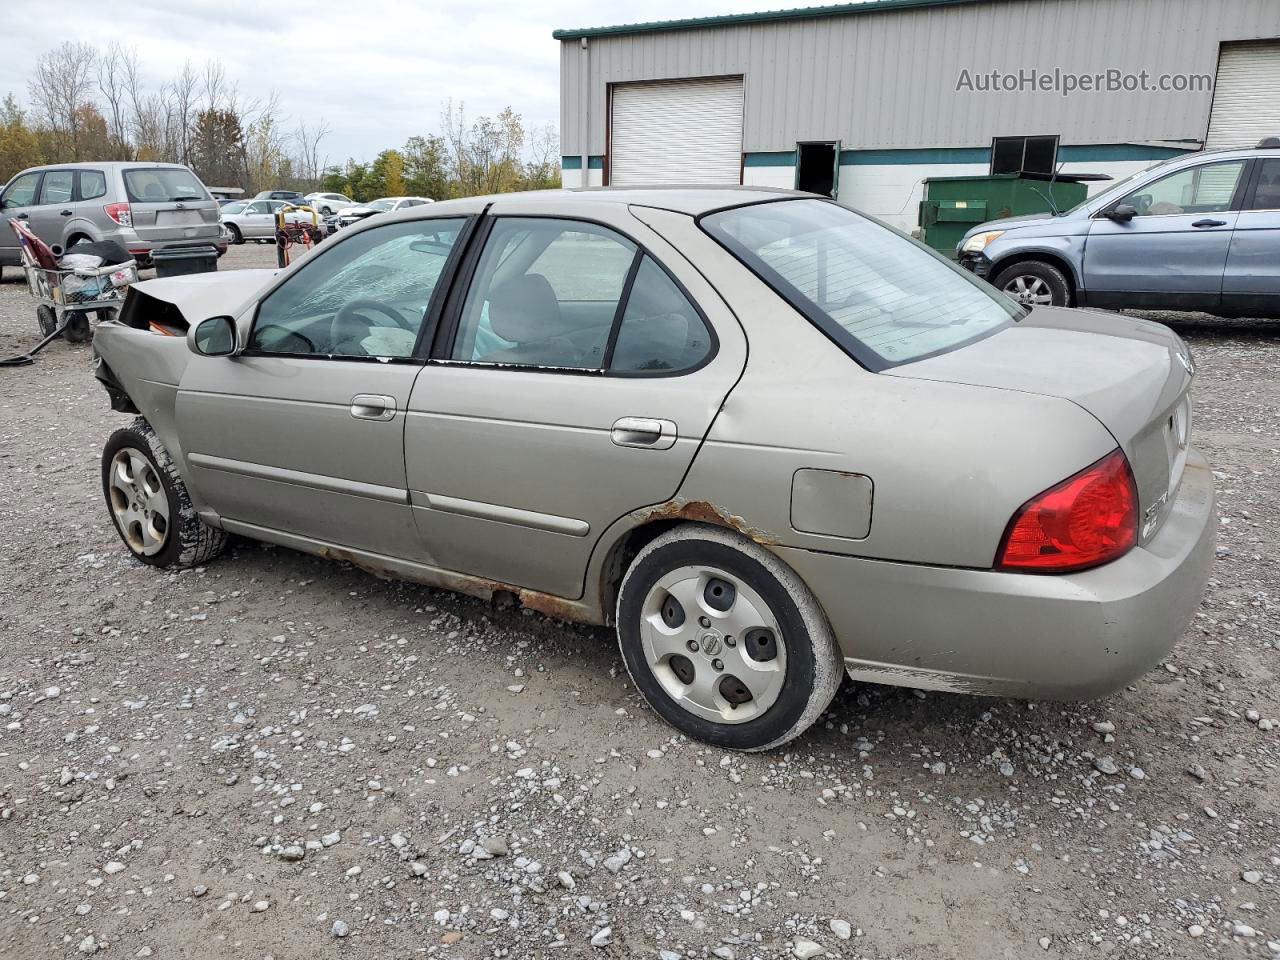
[[382, 205], [880, 295]]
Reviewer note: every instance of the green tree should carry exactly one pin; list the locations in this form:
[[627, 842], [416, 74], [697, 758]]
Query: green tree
[[19, 148], [426, 171]]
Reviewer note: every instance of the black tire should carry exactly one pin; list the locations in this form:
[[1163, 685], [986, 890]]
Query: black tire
[[814, 665], [78, 329], [1034, 275], [47, 317], [188, 540], [326, 212], [233, 234]]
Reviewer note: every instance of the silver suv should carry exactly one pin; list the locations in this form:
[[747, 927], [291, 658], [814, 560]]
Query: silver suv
[[1198, 232], [141, 206]]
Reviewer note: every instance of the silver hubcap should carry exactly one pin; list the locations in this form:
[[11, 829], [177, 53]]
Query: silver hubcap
[[713, 644], [138, 502], [1030, 290]]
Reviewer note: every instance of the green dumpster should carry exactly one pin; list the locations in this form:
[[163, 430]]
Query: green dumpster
[[952, 205]]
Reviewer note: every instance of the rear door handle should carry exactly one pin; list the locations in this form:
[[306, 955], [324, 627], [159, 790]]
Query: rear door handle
[[644, 432], [373, 406], [1210, 223]]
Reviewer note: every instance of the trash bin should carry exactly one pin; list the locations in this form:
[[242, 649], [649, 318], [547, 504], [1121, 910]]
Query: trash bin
[[179, 259], [952, 205]]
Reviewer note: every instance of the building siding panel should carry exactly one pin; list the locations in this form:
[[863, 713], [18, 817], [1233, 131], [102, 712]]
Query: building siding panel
[[886, 80]]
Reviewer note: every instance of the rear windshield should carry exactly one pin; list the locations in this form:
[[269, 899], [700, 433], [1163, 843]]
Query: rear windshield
[[162, 185], [880, 295]]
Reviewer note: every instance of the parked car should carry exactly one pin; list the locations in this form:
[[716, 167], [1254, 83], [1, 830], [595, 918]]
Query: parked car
[[1198, 232], [289, 196], [357, 212], [141, 206], [769, 439], [327, 204], [256, 219]]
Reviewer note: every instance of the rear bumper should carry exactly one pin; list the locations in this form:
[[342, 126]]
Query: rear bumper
[[1057, 637]]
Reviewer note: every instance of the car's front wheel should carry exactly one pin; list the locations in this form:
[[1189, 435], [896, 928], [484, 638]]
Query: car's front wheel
[[233, 233], [149, 503], [724, 640], [1035, 283]]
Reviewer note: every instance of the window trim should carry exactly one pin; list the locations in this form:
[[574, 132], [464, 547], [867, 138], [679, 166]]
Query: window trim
[[447, 333], [430, 315]]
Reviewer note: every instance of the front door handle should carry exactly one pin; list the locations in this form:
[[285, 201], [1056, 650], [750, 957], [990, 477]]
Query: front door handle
[[64, 213], [644, 432], [373, 406], [1210, 223]]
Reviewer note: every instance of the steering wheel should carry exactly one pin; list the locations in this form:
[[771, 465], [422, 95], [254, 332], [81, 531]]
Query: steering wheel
[[342, 327]]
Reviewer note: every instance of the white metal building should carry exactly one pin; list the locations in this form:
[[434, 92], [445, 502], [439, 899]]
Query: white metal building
[[866, 100]]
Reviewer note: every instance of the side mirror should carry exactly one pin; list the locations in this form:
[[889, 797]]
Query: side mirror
[[215, 337], [1122, 213]]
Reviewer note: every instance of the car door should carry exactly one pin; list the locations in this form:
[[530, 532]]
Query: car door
[[302, 431], [52, 209], [1251, 285], [16, 203], [259, 219], [1173, 252], [579, 366]]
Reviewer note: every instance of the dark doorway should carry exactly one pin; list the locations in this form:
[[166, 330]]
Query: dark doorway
[[817, 166]]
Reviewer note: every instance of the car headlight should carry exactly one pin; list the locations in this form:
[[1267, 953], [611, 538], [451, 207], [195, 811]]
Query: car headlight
[[979, 241]]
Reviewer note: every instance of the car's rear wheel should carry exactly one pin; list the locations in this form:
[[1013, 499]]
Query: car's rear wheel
[[149, 503], [724, 640], [1035, 283], [233, 234]]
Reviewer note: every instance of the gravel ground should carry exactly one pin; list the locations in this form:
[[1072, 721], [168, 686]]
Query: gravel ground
[[279, 756]]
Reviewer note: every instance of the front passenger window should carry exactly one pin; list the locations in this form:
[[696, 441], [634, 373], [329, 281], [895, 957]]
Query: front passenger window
[[1203, 189], [366, 296], [22, 192]]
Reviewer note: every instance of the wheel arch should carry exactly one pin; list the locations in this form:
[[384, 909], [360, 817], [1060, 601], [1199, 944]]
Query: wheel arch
[[1050, 257]]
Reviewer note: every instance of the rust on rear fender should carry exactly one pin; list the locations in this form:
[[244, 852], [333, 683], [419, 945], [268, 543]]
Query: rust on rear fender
[[702, 511]]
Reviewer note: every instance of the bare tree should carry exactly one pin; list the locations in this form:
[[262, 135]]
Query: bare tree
[[310, 165], [112, 86], [181, 115], [61, 86]]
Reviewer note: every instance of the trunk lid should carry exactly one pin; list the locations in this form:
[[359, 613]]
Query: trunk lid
[[170, 203], [1133, 375]]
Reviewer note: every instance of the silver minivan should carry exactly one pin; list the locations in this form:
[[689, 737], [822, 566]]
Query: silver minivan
[[139, 205]]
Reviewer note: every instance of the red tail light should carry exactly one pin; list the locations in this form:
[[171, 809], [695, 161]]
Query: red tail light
[[120, 213], [1086, 520]]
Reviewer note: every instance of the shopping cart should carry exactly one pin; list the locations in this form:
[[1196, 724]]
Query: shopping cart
[[65, 298]]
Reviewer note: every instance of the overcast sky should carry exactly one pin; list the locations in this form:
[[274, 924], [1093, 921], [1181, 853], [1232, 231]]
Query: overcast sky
[[376, 71]]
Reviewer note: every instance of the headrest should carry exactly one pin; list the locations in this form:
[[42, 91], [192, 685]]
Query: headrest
[[525, 310]]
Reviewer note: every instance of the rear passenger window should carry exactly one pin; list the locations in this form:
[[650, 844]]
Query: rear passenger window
[[57, 186], [563, 294], [93, 184], [660, 330], [1267, 194]]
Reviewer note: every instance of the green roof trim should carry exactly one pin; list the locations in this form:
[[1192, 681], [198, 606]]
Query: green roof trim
[[764, 16]]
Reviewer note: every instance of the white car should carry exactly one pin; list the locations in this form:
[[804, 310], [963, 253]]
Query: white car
[[256, 219], [359, 211], [327, 204]]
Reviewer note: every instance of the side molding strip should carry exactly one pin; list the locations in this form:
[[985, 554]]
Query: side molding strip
[[492, 511], [316, 481]]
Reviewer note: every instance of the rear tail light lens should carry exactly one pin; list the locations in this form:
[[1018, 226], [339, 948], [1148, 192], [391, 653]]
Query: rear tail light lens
[[120, 213], [1086, 520]]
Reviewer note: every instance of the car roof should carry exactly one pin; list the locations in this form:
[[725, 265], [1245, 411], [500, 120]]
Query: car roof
[[693, 200]]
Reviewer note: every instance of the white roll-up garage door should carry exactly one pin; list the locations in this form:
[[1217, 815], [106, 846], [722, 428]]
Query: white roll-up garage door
[[682, 131], [1246, 98]]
